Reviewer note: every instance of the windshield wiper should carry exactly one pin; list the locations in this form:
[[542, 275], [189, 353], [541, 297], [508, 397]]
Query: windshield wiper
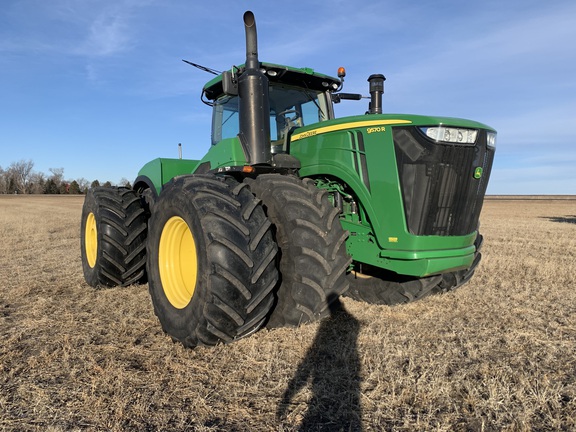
[[310, 97]]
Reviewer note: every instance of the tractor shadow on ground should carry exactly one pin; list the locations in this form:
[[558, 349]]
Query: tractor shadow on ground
[[331, 368], [560, 219]]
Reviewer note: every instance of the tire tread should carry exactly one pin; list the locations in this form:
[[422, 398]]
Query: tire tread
[[122, 230], [313, 258]]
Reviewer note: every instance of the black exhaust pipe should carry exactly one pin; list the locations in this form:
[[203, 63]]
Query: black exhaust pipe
[[254, 106]]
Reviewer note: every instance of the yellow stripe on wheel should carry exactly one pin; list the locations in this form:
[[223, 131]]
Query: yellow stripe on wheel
[[177, 262]]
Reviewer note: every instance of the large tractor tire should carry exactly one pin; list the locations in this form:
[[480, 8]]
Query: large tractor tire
[[211, 260], [377, 286], [312, 259], [113, 237]]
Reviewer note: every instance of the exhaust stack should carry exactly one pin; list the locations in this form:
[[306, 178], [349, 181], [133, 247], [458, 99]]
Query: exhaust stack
[[254, 106]]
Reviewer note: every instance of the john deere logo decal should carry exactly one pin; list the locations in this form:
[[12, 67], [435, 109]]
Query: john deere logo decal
[[478, 173]]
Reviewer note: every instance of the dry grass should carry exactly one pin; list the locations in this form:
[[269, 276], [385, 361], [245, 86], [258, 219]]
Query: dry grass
[[498, 354]]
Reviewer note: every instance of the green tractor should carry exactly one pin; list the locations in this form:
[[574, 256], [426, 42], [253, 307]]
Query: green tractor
[[292, 207]]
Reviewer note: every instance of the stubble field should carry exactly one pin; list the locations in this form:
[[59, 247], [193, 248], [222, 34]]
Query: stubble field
[[499, 354]]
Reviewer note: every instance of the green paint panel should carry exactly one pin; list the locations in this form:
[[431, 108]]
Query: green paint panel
[[160, 171], [227, 152]]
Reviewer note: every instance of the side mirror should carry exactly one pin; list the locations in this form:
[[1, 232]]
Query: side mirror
[[229, 84], [337, 97]]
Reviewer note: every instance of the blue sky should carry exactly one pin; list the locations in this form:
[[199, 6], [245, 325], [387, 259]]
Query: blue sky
[[97, 87]]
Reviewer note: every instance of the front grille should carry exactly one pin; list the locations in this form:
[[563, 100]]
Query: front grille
[[441, 195]]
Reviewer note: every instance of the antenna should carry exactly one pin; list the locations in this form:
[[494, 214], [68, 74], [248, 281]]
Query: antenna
[[203, 68]]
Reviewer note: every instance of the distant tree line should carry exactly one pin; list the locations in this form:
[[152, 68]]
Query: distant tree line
[[20, 178]]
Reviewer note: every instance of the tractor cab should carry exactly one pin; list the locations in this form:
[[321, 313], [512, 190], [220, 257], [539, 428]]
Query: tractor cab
[[297, 98]]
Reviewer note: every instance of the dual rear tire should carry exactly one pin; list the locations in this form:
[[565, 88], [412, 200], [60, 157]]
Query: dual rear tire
[[222, 263]]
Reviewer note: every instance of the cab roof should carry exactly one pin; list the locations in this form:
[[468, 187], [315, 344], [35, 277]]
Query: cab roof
[[300, 77]]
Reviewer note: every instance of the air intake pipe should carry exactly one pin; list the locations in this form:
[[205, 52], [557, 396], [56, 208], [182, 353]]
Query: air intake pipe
[[254, 106], [376, 83]]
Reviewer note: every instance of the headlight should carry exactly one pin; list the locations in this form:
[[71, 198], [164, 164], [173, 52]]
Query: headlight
[[451, 135], [491, 139]]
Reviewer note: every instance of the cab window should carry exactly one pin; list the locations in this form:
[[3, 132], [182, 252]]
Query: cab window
[[290, 107], [225, 119]]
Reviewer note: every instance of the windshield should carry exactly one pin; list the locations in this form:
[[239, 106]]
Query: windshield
[[290, 107]]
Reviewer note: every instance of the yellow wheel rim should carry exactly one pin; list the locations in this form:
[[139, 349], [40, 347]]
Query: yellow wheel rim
[[91, 240], [177, 262]]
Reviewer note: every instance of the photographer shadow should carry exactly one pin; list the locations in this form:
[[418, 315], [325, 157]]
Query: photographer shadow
[[566, 219], [332, 369]]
